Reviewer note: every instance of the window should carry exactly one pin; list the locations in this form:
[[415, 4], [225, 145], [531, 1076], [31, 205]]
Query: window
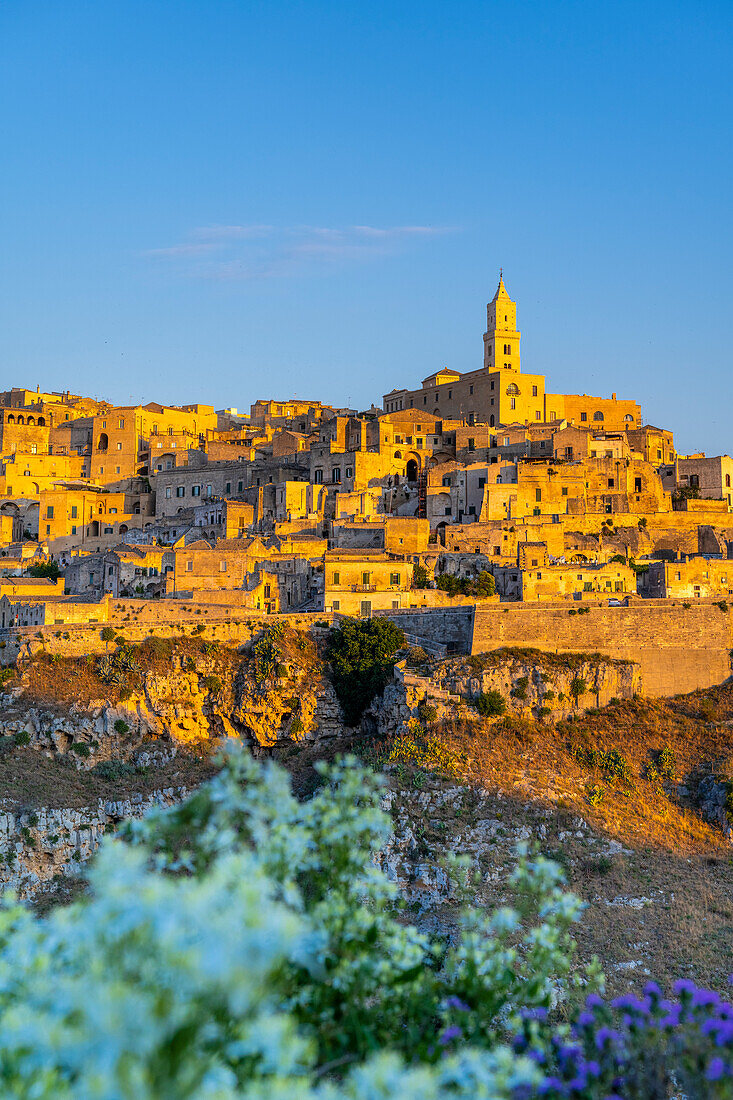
[[492, 383], [365, 579], [113, 511], [564, 491], [240, 486], [471, 419], [448, 510], [507, 349], [104, 423], [73, 530], [538, 495], [425, 400], [195, 490], [34, 449], [481, 482], [335, 605], [318, 477], [598, 415], [537, 414], [209, 490], [120, 423], [49, 512], [584, 416], [228, 488], [336, 577], [512, 388], [610, 483], [73, 511], [394, 579], [349, 471], [471, 444], [48, 528], [168, 493], [117, 469], [337, 476], [513, 402], [446, 480], [108, 530], [180, 490], [470, 389], [222, 566], [119, 446], [727, 481], [189, 566]]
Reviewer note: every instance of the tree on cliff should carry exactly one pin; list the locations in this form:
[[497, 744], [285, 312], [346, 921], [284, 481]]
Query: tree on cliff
[[362, 657]]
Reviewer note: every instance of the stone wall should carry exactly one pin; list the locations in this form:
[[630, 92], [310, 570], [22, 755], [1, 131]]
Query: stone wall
[[449, 626], [678, 648]]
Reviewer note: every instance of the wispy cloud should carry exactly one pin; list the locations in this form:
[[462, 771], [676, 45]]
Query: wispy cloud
[[267, 251]]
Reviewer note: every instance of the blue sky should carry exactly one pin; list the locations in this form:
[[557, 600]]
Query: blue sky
[[221, 201]]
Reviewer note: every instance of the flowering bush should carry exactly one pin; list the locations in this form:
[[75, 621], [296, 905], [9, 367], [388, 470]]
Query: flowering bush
[[244, 946], [636, 1048]]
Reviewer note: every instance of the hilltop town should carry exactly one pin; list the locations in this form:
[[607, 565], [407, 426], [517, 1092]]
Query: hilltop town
[[479, 489]]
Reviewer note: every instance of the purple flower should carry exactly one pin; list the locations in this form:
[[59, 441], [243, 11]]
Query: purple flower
[[715, 1070], [703, 997], [586, 1019], [684, 987], [548, 1084], [594, 1001], [534, 1014], [456, 1002], [450, 1034], [605, 1035], [651, 989]]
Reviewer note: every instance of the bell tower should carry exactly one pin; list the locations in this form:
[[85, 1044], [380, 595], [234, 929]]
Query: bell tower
[[501, 339]]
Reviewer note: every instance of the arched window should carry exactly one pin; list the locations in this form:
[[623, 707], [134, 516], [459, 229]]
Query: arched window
[[398, 454], [21, 420], [491, 421], [32, 420], [727, 481], [512, 389], [11, 419], [598, 415], [41, 421], [628, 417], [103, 443]]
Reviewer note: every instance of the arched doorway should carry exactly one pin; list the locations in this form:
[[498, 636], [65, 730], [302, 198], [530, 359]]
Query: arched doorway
[[94, 528], [412, 470], [103, 443]]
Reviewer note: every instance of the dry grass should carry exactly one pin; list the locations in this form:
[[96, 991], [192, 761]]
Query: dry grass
[[29, 779], [56, 682]]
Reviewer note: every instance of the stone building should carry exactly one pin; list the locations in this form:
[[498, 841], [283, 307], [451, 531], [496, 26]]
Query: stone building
[[499, 393]]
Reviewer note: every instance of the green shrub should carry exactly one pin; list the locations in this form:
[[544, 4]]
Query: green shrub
[[80, 748], [419, 577], [108, 634], [490, 703], [722, 604], [113, 770], [543, 711], [667, 762], [212, 684], [578, 687], [426, 712], [22, 737], [296, 726], [49, 569], [361, 653], [121, 726], [594, 793]]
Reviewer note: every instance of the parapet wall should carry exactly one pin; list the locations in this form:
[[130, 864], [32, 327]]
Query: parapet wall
[[678, 648]]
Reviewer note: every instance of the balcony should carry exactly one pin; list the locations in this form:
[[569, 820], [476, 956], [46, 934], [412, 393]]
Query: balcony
[[363, 588]]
